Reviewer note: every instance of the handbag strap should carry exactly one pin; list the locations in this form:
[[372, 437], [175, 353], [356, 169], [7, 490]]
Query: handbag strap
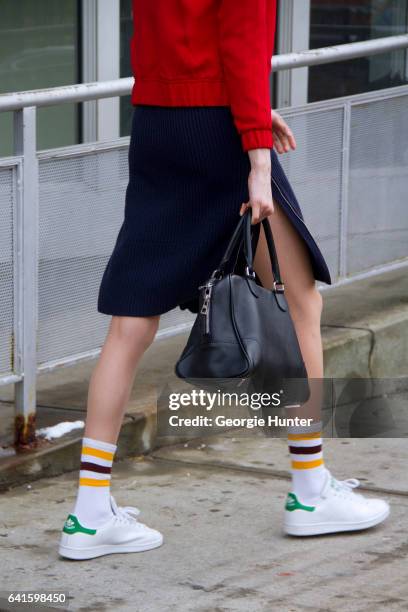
[[236, 237], [278, 285], [244, 227]]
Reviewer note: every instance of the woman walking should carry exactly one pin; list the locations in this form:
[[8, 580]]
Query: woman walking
[[201, 153]]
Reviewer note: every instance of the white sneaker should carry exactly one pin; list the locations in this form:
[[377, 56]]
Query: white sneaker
[[121, 534], [338, 508]]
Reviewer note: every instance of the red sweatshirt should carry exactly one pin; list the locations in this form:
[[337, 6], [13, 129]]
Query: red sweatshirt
[[207, 53]]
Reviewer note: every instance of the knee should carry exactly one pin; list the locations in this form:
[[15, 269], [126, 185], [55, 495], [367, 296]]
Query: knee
[[306, 306], [134, 333]]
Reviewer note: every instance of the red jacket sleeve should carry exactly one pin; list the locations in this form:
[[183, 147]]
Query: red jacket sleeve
[[246, 37]]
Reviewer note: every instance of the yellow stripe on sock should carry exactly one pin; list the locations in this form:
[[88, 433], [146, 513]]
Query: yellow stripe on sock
[[306, 436], [93, 482], [95, 452], [306, 465]]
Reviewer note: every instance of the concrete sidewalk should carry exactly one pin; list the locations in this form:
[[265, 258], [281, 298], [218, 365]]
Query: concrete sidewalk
[[220, 509]]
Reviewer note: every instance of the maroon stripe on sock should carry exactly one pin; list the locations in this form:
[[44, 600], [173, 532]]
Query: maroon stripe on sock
[[94, 467], [305, 450]]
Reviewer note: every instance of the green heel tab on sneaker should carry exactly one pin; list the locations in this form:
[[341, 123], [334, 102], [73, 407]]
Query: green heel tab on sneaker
[[292, 503], [72, 525]]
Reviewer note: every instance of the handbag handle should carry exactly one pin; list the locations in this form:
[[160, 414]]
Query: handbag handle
[[236, 236], [244, 226], [278, 284]]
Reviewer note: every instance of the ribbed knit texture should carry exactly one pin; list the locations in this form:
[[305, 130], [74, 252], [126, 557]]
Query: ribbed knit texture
[[188, 177]]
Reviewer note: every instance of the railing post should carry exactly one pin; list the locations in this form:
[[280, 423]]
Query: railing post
[[345, 186], [26, 254]]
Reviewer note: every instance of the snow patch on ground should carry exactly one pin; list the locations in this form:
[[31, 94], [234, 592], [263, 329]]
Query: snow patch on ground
[[59, 430]]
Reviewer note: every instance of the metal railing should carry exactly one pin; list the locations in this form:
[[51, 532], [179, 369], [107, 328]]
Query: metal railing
[[121, 87], [41, 191]]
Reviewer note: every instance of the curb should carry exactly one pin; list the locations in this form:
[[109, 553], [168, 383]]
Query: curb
[[137, 437]]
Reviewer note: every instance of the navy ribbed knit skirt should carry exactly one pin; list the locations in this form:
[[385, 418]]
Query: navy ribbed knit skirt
[[188, 177]]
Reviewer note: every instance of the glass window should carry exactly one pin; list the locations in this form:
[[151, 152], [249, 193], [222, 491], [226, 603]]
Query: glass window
[[39, 48], [126, 31], [336, 23]]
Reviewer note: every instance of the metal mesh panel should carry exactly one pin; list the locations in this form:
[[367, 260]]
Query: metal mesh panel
[[6, 269], [315, 175], [81, 208], [378, 212], [82, 201]]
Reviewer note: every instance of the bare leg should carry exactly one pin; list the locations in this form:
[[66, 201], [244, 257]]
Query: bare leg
[[339, 508], [305, 305], [96, 526], [109, 390], [113, 376], [304, 300]]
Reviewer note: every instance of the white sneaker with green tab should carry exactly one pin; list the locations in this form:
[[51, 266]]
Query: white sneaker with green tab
[[338, 508], [123, 533]]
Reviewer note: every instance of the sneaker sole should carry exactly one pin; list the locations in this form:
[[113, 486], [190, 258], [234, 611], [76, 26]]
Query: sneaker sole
[[321, 528], [80, 554]]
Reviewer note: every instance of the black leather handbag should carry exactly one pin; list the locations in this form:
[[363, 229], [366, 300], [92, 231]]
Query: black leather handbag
[[243, 331]]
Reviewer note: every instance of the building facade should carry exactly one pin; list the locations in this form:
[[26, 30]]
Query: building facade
[[48, 43]]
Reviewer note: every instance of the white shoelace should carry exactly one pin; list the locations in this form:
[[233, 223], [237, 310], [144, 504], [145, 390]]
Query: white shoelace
[[349, 483], [345, 486], [128, 513], [125, 514]]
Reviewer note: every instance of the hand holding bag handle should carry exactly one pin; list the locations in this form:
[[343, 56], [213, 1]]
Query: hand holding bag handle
[[244, 226]]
